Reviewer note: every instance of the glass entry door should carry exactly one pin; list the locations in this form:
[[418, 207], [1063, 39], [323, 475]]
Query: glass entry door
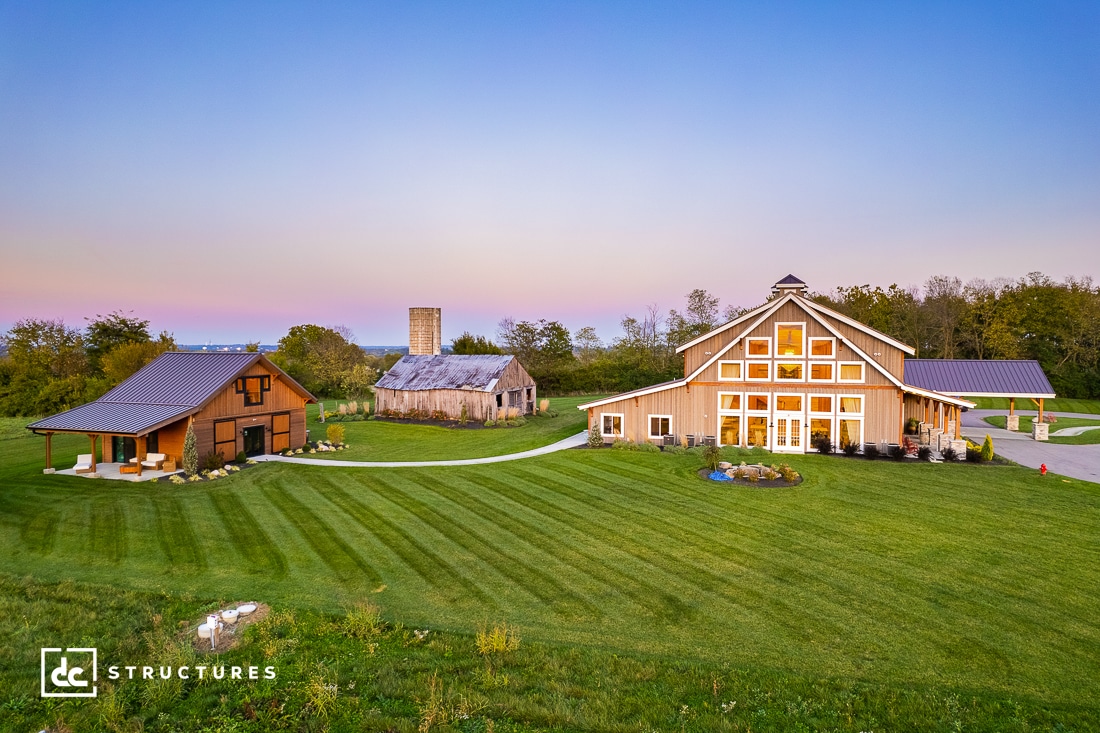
[[788, 433], [253, 441]]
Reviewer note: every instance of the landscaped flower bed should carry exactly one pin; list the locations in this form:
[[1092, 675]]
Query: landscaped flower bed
[[773, 476]]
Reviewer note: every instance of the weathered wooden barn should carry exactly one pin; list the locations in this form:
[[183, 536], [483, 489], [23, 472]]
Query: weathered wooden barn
[[790, 372], [444, 383], [236, 402]]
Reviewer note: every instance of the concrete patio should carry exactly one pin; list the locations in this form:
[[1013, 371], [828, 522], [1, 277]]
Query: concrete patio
[[111, 471]]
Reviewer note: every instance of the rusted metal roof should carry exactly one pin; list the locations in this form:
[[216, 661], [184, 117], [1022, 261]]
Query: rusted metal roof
[[979, 377], [446, 371], [175, 384]]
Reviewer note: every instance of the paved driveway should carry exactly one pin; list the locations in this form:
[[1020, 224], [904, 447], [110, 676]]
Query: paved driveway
[[1077, 461]]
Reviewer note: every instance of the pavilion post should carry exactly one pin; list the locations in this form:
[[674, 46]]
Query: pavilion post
[[91, 439], [140, 453], [958, 422], [1011, 406], [1041, 410], [49, 450]]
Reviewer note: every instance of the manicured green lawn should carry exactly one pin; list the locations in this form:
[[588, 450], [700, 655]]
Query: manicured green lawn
[[1060, 404], [381, 440], [1088, 437], [900, 586]]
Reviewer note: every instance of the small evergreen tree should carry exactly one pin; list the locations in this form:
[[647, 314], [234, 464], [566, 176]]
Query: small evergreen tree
[[987, 449], [595, 438], [190, 452]]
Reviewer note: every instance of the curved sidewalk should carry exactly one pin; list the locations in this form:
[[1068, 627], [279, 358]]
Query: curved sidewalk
[[571, 442], [1078, 461]]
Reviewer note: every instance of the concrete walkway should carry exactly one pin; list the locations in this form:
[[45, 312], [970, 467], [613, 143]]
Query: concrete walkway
[[1078, 461], [571, 442], [1070, 432]]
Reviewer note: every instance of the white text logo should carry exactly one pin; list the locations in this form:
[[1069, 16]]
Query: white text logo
[[69, 672]]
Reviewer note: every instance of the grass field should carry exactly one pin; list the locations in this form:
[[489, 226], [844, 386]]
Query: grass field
[[1060, 404], [380, 440], [1088, 437], [872, 596]]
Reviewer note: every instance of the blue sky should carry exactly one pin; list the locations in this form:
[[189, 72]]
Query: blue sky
[[228, 170]]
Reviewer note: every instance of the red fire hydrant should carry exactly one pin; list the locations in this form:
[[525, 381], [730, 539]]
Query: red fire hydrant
[[1043, 470]]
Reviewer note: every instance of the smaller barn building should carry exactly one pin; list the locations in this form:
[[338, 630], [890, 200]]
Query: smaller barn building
[[235, 402], [443, 383]]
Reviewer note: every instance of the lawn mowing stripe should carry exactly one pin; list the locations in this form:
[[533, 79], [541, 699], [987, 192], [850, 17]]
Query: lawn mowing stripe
[[676, 569], [562, 600], [583, 564], [418, 556], [329, 547], [177, 538], [248, 536], [109, 536], [39, 531], [836, 575]]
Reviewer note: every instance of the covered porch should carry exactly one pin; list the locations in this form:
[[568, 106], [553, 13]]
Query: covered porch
[[114, 455], [113, 472]]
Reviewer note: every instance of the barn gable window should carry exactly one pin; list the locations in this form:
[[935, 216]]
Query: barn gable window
[[253, 389]]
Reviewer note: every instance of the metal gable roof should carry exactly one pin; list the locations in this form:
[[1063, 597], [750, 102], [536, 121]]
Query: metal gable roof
[[979, 377], [181, 378], [478, 372]]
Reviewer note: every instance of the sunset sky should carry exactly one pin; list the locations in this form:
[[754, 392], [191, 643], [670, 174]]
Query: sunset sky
[[228, 170]]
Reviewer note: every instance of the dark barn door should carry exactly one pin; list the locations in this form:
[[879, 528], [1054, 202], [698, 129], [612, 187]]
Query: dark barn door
[[254, 440]]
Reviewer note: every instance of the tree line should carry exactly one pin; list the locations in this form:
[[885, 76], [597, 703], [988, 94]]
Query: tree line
[[49, 367], [1033, 317]]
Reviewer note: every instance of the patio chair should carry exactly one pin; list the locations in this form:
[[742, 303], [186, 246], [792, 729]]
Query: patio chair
[[83, 463]]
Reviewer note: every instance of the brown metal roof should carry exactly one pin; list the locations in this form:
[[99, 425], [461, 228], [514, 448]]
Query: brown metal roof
[[175, 384], [478, 372], [979, 377]]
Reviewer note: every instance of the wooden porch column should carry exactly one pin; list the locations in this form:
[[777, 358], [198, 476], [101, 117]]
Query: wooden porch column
[[140, 452], [91, 438], [927, 405], [1011, 406], [958, 422], [901, 420], [1040, 409], [49, 450]]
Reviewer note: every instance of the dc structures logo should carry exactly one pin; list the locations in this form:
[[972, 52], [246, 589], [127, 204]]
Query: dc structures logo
[[72, 672]]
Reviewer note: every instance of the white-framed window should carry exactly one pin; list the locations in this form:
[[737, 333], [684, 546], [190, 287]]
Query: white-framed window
[[821, 428], [821, 404], [611, 424], [849, 372], [785, 402], [790, 371], [660, 425], [729, 402], [849, 430], [849, 404], [757, 347], [758, 371], [729, 371], [790, 340], [822, 371], [757, 402], [823, 347]]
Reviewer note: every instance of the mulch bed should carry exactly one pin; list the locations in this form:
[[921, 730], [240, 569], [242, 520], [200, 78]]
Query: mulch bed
[[229, 636], [704, 473], [471, 425]]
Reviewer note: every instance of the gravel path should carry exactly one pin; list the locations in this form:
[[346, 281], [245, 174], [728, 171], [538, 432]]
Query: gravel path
[[571, 442], [1077, 461]]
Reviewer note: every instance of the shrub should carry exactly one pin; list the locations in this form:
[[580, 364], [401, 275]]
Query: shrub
[[335, 434], [711, 457], [871, 451], [648, 447], [823, 445], [463, 415], [897, 452], [595, 438], [924, 453], [439, 415], [787, 473], [973, 455], [850, 449], [490, 423], [519, 422], [544, 405], [353, 407], [306, 448], [241, 457], [676, 450], [190, 452], [621, 444], [213, 461], [987, 449], [949, 454]]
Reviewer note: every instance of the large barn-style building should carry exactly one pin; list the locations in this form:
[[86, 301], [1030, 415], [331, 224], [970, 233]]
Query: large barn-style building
[[236, 402], [791, 372]]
